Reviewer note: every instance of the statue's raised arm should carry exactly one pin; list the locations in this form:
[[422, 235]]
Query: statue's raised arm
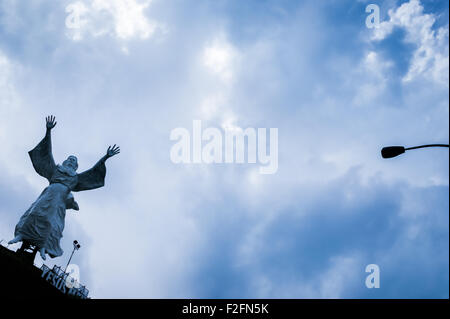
[[41, 156], [95, 177]]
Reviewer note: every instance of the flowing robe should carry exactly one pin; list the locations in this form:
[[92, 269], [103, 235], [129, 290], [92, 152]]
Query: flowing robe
[[43, 223]]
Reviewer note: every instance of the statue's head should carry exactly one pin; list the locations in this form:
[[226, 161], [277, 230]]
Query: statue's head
[[71, 162]]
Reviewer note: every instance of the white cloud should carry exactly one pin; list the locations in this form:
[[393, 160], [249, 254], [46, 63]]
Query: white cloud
[[123, 19], [431, 57], [341, 273], [220, 58], [10, 110], [6, 88], [374, 70]]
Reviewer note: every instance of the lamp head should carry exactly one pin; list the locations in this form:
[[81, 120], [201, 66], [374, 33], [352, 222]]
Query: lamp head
[[76, 245], [392, 151]]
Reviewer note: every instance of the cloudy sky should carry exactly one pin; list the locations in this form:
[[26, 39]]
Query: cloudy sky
[[128, 72]]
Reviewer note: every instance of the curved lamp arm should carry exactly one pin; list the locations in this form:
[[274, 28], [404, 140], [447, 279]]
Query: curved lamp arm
[[393, 151]]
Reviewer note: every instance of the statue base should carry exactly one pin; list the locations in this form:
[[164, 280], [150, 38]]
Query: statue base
[[20, 279], [27, 252]]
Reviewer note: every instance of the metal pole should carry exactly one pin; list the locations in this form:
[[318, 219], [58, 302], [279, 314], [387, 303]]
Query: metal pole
[[393, 151], [70, 259]]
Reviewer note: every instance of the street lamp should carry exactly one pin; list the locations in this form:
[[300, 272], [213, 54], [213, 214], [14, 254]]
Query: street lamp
[[76, 246], [393, 151]]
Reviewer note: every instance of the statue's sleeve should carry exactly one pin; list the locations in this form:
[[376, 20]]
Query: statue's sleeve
[[70, 201], [42, 158], [92, 178]]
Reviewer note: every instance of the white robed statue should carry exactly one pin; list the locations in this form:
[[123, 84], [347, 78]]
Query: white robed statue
[[43, 223]]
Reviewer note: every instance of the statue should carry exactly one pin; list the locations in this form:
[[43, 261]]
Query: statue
[[43, 223]]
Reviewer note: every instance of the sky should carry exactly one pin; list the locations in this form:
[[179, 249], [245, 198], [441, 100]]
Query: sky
[[129, 72]]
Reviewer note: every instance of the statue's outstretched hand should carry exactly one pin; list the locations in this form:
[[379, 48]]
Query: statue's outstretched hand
[[50, 122], [112, 151]]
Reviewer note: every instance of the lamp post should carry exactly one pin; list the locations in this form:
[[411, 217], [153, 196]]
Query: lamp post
[[76, 246], [393, 151]]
